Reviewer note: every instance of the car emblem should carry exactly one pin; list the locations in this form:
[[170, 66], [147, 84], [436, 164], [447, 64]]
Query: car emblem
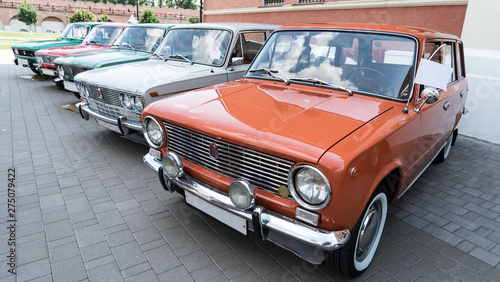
[[214, 151], [99, 92]]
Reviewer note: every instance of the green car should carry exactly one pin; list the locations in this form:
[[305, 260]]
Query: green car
[[136, 43], [73, 34]]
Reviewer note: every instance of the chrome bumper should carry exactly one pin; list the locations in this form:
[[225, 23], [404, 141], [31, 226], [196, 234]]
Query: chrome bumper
[[121, 122], [305, 241]]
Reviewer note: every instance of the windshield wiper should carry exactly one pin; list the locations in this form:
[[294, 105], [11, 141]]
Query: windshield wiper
[[314, 80], [271, 73], [159, 56], [179, 56]]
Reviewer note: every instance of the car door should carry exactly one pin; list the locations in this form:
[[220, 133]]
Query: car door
[[435, 126], [245, 49]]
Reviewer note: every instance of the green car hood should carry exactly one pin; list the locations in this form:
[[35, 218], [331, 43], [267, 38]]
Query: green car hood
[[95, 60], [44, 44]]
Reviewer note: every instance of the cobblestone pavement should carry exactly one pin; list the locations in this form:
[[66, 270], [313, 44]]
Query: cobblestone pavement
[[87, 208]]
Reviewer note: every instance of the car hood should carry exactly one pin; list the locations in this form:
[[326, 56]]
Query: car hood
[[94, 60], [140, 76], [295, 122], [37, 45], [73, 49]]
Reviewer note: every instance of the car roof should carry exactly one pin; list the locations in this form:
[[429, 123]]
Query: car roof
[[235, 27], [160, 25], [88, 23], [416, 31], [115, 24]]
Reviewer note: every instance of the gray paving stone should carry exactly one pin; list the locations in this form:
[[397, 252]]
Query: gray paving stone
[[431, 272], [465, 274], [463, 258], [226, 259], [99, 262], [89, 235], [71, 269], [180, 273], [64, 252], [108, 272], [162, 259], [58, 230], [128, 255], [196, 260], [119, 238], [485, 256], [136, 269], [95, 251], [148, 275], [33, 270]]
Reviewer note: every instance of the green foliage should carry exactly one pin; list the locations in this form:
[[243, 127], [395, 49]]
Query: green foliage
[[184, 4], [104, 18], [194, 20], [82, 16], [148, 16], [27, 14]]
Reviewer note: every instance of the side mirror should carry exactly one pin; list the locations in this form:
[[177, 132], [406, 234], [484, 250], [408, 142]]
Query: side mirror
[[430, 96], [236, 61]]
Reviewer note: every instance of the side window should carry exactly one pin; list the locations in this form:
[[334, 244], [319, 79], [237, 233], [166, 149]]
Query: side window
[[248, 45], [460, 61], [430, 50], [449, 59]]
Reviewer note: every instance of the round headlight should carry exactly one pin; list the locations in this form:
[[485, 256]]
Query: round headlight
[[172, 165], [136, 101], [125, 101], [85, 91], [60, 71], [241, 194], [153, 132], [310, 187], [16, 51]]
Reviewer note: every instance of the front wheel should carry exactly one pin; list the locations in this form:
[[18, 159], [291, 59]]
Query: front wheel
[[355, 257]]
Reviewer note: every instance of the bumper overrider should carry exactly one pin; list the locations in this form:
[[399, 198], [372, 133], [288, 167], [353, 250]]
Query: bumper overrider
[[121, 122], [305, 241]]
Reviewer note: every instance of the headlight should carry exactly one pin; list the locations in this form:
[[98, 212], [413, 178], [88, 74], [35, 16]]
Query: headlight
[[309, 187], [125, 101], [242, 194], [86, 90], [153, 132], [60, 71], [136, 101], [172, 165], [16, 51]]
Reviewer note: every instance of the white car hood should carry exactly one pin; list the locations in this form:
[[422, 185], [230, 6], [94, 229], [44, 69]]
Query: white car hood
[[141, 76]]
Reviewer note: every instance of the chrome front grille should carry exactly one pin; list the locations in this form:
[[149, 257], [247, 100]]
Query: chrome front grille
[[109, 95], [71, 71], [26, 53], [48, 59], [234, 161], [113, 112]]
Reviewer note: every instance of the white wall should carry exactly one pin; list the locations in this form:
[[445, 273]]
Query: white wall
[[481, 37], [483, 102]]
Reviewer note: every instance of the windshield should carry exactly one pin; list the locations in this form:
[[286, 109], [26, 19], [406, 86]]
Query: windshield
[[140, 38], [204, 46], [76, 31], [103, 35], [360, 62]]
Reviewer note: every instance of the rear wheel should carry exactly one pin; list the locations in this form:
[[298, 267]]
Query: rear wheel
[[355, 257], [445, 152]]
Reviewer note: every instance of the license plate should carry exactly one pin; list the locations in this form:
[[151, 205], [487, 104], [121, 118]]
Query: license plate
[[237, 223], [48, 72], [109, 126], [22, 62]]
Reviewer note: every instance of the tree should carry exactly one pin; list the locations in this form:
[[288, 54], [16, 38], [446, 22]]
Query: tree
[[148, 16], [184, 4], [104, 18], [27, 14], [194, 20], [82, 16]]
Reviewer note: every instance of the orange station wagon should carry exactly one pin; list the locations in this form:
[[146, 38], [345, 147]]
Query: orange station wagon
[[330, 123]]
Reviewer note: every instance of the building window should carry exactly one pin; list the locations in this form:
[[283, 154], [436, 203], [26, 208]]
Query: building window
[[273, 2], [310, 1]]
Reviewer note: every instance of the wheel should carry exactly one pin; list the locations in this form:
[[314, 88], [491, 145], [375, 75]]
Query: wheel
[[366, 80], [355, 257], [443, 155], [77, 95], [33, 69]]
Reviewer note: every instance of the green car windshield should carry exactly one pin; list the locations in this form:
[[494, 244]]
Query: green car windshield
[[103, 35], [360, 62], [140, 38], [203, 46], [76, 31]]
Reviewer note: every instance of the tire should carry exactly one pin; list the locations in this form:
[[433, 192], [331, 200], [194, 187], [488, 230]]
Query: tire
[[351, 260], [445, 152], [34, 70]]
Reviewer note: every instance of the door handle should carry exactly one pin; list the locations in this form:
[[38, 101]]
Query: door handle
[[446, 106], [462, 94]]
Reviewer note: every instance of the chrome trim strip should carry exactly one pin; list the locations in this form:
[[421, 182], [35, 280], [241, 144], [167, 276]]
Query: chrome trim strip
[[314, 237], [84, 107]]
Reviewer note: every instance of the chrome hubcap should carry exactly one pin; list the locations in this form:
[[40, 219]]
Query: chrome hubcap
[[368, 231]]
